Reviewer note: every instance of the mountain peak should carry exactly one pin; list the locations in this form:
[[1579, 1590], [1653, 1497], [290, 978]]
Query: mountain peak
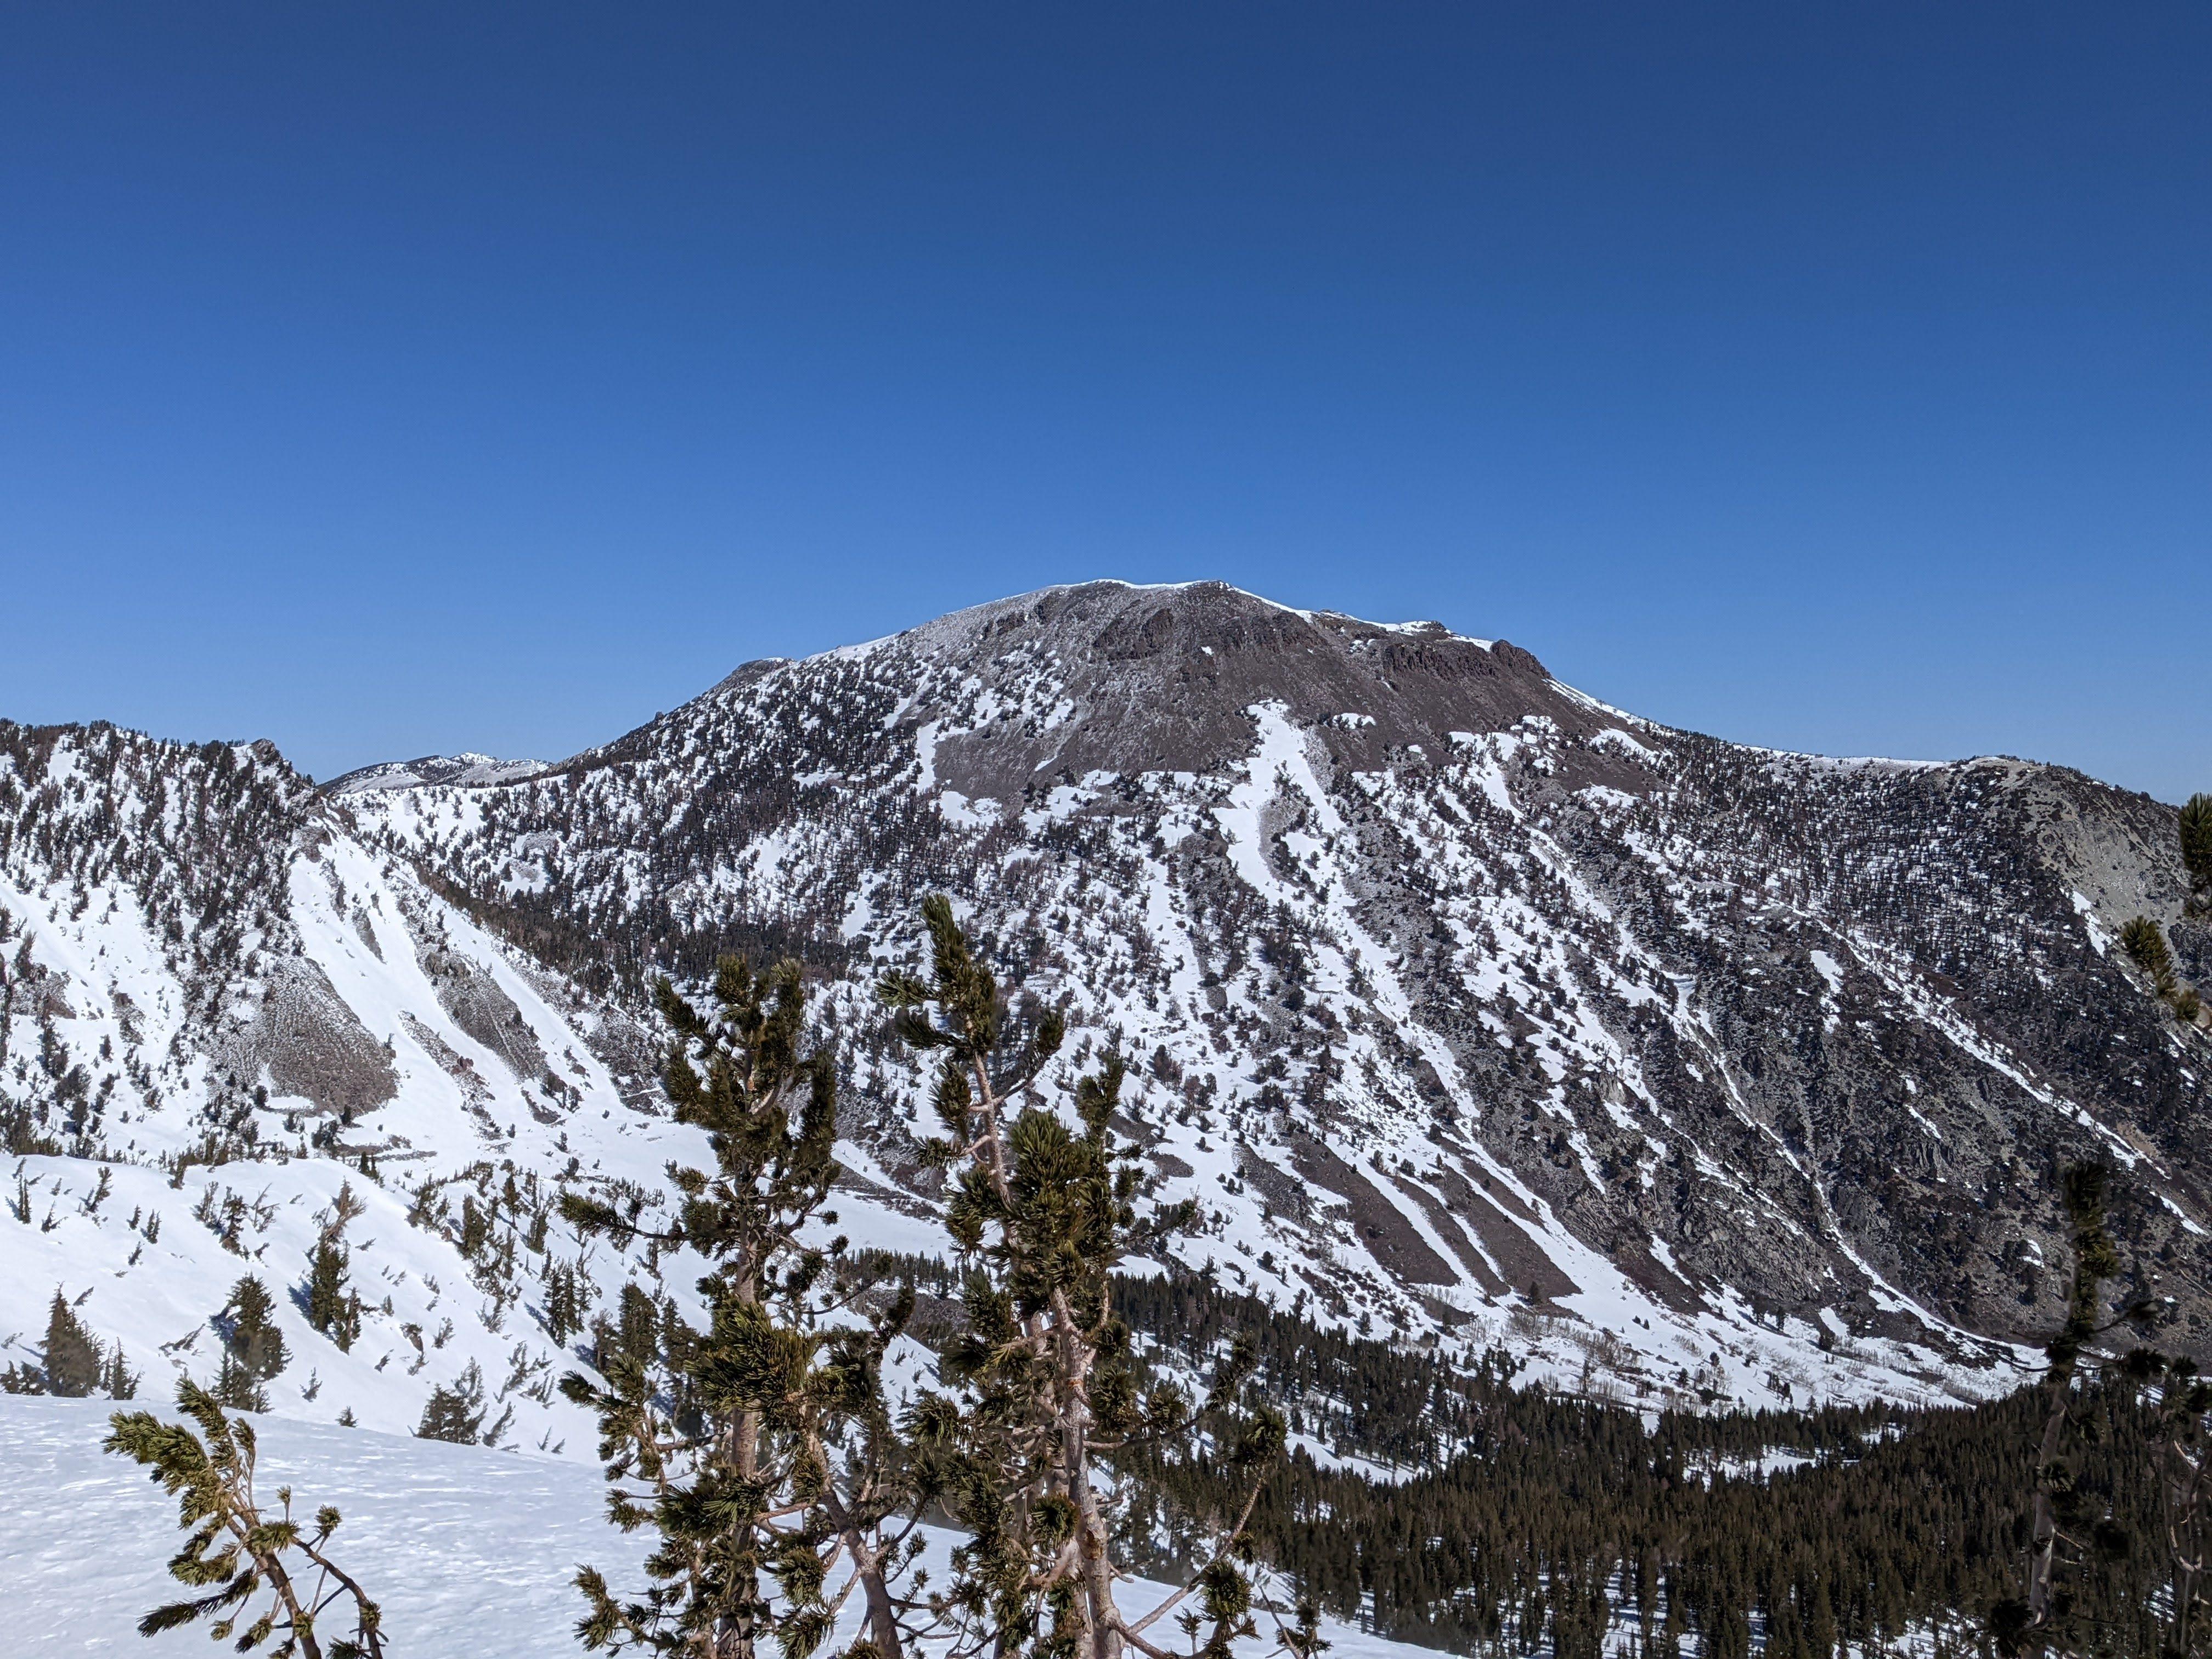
[[465, 767], [1147, 679]]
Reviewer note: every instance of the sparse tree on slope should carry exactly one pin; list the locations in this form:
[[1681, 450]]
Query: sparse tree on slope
[[760, 1448], [73, 1359], [1045, 1386], [237, 1551], [254, 1348], [334, 1307], [455, 1411]]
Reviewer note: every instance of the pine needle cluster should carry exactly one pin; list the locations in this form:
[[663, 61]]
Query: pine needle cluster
[[237, 1551]]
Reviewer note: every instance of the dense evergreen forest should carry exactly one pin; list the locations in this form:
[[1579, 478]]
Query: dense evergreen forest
[[1511, 1519], [1555, 1510]]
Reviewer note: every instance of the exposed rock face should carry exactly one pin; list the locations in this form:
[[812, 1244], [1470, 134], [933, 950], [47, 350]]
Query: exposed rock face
[[1464, 1003], [306, 1042]]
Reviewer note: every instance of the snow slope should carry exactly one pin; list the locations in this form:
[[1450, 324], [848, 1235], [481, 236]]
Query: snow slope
[[207, 1078], [470, 1551]]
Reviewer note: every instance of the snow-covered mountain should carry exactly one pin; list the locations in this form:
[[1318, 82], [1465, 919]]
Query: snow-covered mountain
[[1472, 1010], [220, 1012], [433, 768]]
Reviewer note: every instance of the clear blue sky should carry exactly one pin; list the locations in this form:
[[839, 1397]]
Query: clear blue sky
[[385, 378]]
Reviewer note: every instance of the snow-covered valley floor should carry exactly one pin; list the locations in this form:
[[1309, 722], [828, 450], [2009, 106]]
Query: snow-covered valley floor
[[470, 1552]]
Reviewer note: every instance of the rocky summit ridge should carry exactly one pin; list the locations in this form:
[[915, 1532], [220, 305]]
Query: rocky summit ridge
[[1470, 1010]]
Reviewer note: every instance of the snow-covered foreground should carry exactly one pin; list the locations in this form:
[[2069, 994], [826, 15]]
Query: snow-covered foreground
[[470, 1552]]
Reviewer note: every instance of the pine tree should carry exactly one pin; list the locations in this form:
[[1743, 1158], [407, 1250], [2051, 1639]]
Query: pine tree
[[332, 1308], [455, 1411], [116, 1380], [761, 1448], [252, 1335], [2145, 944], [2178, 1401], [2196, 830], [235, 1388], [2067, 1523], [1042, 1213], [72, 1358], [236, 1550]]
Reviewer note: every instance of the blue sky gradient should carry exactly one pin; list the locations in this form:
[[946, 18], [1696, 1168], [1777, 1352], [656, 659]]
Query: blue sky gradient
[[383, 379]]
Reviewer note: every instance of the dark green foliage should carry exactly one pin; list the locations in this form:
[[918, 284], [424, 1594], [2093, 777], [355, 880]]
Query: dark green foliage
[[2197, 849], [250, 1332], [116, 1380], [1902, 1519], [2065, 1511], [455, 1411], [1043, 1377], [2177, 1401], [2077, 1527], [565, 1301], [18, 1378], [236, 1551], [72, 1358], [332, 1308], [235, 1388], [760, 1449], [2145, 944]]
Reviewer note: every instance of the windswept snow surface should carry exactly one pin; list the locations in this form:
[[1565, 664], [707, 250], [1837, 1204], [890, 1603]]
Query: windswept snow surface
[[472, 1553]]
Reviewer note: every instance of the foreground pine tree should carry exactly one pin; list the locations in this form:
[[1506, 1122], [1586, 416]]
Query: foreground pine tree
[[236, 1551], [1044, 1385], [760, 1448], [2180, 1402], [2067, 1529]]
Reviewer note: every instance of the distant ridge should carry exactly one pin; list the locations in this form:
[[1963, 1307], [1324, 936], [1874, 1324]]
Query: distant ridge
[[464, 769]]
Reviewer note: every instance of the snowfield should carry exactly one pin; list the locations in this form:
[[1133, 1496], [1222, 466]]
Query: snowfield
[[470, 1552]]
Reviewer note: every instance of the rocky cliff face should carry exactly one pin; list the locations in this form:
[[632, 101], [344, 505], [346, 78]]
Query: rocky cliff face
[[1468, 1007]]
